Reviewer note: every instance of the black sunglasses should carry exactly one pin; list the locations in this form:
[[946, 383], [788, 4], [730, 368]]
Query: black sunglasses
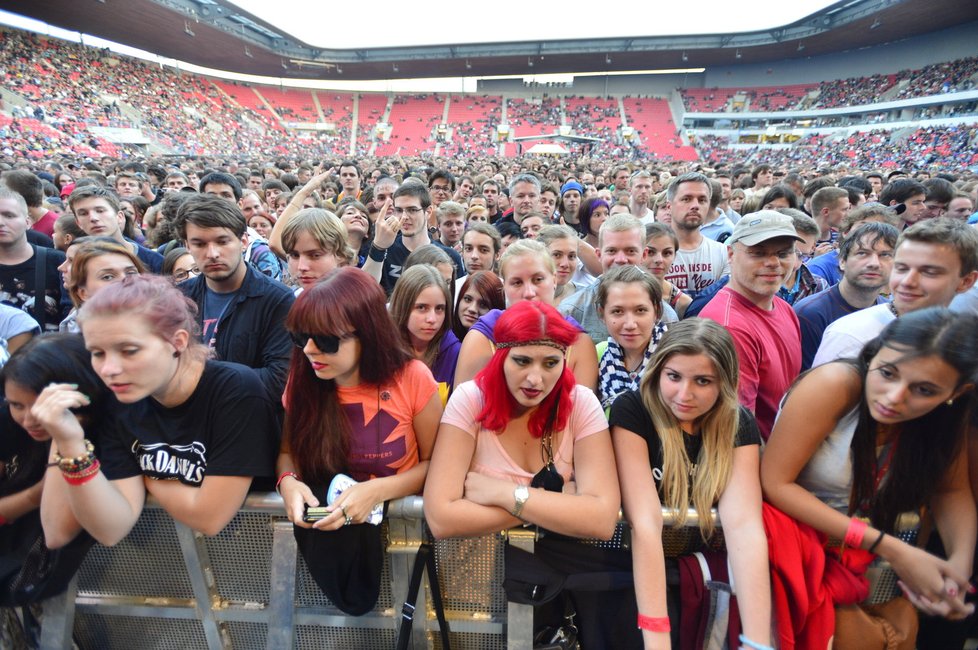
[[325, 343]]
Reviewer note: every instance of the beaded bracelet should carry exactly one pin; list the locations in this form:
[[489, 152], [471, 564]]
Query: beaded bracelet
[[653, 624], [82, 476], [78, 463], [754, 645]]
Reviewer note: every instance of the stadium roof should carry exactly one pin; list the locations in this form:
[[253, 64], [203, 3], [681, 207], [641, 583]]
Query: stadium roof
[[218, 34]]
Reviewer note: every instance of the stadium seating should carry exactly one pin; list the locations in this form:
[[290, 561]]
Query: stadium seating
[[657, 133], [65, 90]]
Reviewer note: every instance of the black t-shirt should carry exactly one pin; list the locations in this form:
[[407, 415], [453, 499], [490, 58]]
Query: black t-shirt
[[629, 413], [17, 287], [398, 253], [23, 460], [227, 427]]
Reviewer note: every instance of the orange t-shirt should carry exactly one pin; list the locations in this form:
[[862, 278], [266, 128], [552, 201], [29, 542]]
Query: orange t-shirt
[[382, 440]]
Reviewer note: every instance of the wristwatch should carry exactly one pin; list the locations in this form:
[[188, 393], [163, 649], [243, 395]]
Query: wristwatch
[[520, 495]]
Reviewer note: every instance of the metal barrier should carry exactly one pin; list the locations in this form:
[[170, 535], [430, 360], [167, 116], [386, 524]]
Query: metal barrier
[[247, 587]]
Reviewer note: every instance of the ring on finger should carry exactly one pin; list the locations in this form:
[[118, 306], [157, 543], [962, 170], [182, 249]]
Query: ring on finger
[[348, 521]]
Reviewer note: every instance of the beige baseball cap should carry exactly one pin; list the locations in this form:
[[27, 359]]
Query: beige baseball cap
[[757, 227]]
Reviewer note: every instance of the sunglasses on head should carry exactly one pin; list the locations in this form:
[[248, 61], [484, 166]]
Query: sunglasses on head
[[325, 343]]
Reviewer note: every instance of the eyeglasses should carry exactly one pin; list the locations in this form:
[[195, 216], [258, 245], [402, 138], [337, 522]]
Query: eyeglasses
[[803, 256], [444, 189], [180, 276], [325, 343], [411, 211]]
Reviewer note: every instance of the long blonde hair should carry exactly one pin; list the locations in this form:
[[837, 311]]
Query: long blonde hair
[[717, 428]]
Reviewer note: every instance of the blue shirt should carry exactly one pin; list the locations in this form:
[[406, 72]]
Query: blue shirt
[[827, 267], [817, 312]]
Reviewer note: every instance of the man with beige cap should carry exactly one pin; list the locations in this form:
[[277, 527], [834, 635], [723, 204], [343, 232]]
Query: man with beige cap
[[765, 329]]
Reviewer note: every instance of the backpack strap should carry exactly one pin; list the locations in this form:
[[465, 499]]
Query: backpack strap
[[424, 560], [40, 279]]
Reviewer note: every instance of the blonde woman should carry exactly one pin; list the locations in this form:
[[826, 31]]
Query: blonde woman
[[681, 440], [529, 273]]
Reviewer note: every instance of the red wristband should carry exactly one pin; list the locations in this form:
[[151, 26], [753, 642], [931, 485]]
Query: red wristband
[[282, 477], [84, 476], [855, 533], [653, 624]]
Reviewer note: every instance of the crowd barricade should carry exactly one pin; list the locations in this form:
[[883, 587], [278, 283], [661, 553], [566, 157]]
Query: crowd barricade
[[165, 586]]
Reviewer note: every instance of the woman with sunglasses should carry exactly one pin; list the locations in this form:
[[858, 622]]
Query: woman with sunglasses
[[356, 403], [523, 442]]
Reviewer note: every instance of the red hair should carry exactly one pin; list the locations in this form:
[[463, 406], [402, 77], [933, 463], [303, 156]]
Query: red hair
[[316, 430], [523, 323], [489, 287]]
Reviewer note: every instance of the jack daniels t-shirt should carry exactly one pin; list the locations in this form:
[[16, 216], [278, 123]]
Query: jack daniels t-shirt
[[628, 412], [228, 427]]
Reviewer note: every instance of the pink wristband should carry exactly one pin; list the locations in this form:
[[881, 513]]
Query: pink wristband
[[855, 533], [653, 624]]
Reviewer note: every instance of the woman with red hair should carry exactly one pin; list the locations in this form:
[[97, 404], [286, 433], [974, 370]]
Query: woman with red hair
[[523, 442]]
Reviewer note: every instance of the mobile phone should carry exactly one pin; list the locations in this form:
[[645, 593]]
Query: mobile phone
[[312, 515]]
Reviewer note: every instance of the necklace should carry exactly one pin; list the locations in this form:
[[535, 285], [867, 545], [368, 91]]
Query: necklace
[[893, 309]]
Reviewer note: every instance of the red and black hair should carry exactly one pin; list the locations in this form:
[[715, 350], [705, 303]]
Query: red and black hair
[[525, 323], [316, 432]]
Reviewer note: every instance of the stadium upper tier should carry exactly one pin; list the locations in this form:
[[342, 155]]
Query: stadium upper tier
[[65, 98], [951, 76]]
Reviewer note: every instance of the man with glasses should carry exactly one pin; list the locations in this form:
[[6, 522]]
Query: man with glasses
[[441, 186], [401, 229], [764, 327], [800, 283]]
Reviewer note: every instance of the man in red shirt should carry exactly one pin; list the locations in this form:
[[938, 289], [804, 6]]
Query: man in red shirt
[[764, 327]]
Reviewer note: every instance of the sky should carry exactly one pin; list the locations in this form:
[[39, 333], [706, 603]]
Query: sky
[[397, 24]]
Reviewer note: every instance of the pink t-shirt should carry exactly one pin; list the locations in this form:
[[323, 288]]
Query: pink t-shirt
[[491, 459], [769, 349]]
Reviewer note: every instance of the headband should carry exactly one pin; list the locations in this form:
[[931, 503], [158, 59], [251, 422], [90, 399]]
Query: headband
[[516, 344]]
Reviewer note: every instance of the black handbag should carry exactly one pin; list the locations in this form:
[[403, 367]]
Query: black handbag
[[346, 563]]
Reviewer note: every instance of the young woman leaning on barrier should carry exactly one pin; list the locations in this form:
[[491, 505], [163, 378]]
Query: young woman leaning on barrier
[[682, 439], [356, 403], [192, 432], [522, 442], [878, 436], [30, 382]]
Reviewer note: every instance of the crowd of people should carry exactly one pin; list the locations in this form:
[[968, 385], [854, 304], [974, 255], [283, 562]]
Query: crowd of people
[[941, 146], [507, 337], [935, 79], [72, 89], [522, 341]]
